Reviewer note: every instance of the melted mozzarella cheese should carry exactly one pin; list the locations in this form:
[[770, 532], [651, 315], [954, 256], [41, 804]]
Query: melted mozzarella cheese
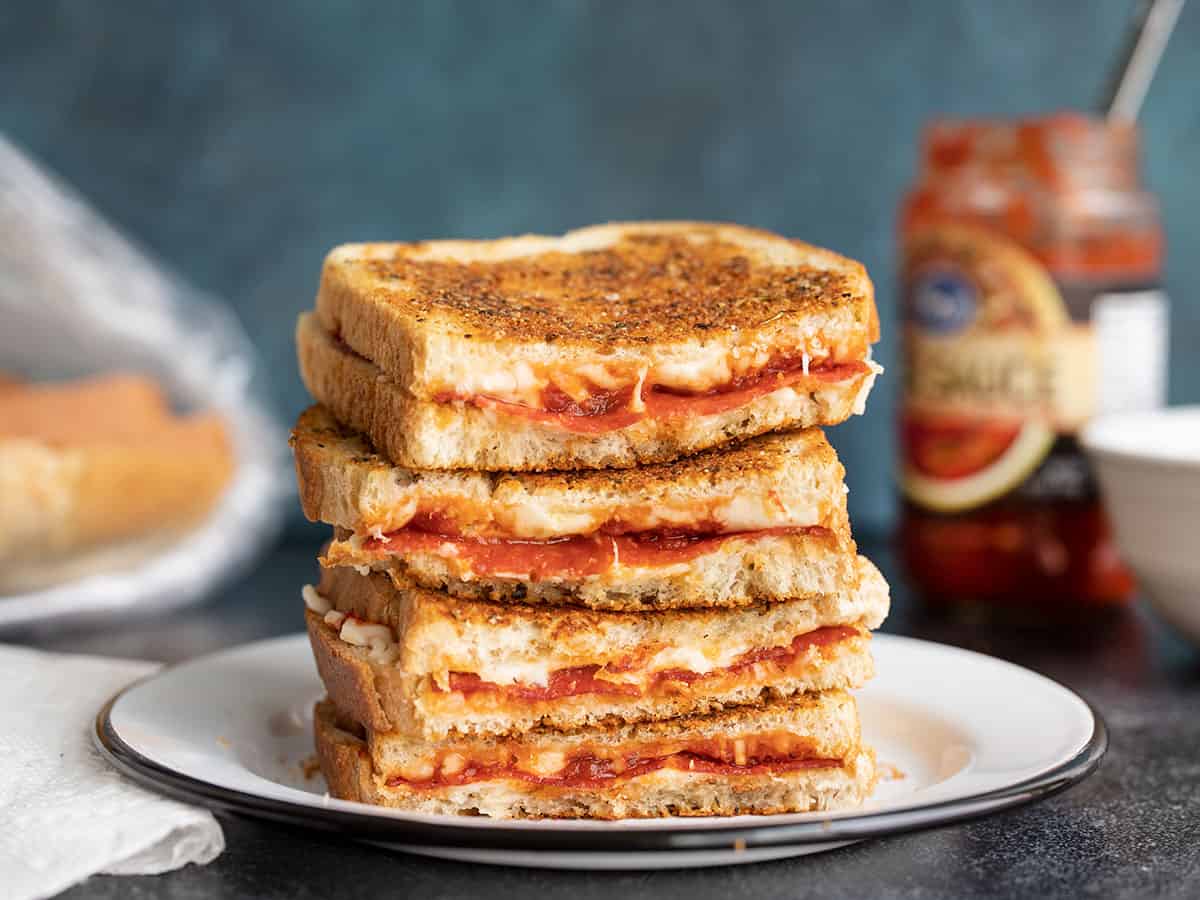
[[537, 521], [701, 660], [602, 377], [315, 601], [693, 369], [860, 399], [699, 372], [518, 382], [363, 634], [547, 763]]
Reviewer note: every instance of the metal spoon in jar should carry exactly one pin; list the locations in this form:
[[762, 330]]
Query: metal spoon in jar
[[1139, 58]]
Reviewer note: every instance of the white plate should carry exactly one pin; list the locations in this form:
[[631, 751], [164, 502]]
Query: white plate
[[969, 734]]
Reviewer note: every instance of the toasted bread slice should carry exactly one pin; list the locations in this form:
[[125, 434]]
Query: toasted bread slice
[[599, 572], [790, 756], [456, 435], [421, 662], [774, 481], [662, 292], [607, 347], [764, 519], [98, 463]]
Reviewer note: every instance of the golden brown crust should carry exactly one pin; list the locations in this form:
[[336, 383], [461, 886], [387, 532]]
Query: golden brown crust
[[335, 468], [613, 286], [343, 756], [352, 681]]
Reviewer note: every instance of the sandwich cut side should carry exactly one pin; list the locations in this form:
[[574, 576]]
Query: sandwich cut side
[[793, 755], [763, 519], [420, 662], [607, 347]]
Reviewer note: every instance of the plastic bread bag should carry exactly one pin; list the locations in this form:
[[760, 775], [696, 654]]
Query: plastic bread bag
[[77, 299]]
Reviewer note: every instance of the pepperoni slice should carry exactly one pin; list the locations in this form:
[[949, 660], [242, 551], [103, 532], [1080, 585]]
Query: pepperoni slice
[[605, 411], [586, 771], [580, 680], [570, 557]]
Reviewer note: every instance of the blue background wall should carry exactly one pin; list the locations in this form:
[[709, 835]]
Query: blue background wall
[[241, 140]]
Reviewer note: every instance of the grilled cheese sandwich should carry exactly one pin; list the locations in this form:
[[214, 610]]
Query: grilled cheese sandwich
[[606, 347], [765, 519], [422, 662], [794, 755]]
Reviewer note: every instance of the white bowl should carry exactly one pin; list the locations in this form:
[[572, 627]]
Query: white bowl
[[1148, 464]]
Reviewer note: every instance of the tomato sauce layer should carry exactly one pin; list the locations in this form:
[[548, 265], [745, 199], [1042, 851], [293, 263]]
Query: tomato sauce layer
[[571, 557], [581, 680], [609, 410]]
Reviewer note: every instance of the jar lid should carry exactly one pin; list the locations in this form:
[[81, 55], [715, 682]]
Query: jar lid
[[1066, 150]]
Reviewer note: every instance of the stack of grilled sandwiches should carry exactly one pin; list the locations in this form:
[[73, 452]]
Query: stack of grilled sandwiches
[[590, 552]]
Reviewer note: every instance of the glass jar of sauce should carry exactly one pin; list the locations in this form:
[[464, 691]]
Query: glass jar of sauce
[[1031, 258]]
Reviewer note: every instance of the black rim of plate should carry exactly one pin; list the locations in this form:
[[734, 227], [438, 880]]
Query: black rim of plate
[[370, 825]]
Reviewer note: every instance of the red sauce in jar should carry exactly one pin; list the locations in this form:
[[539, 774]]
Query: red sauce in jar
[[1029, 252]]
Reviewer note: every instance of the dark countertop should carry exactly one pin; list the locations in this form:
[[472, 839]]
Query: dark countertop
[[1130, 830]]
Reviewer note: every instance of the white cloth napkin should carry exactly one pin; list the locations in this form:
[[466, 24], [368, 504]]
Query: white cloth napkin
[[65, 813]]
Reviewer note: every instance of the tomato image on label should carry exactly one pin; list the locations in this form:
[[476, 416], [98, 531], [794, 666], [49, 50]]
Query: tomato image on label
[[987, 389], [953, 466], [955, 449]]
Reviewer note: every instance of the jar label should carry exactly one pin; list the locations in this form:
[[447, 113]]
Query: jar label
[[1001, 371]]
